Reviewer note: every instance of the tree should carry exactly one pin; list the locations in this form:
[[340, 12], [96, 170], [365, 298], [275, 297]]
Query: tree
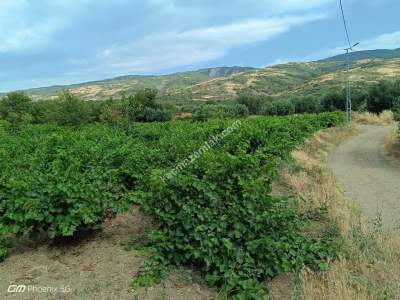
[[284, 107], [71, 110], [15, 107], [334, 100], [253, 103], [201, 114], [143, 107], [383, 95], [306, 105]]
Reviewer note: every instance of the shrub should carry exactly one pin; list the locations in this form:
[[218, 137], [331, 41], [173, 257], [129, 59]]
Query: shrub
[[333, 101], [284, 107], [15, 108], [59, 180], [218, 214], [306, 105], [269, 109], [201, 114], [396, 109], [143, 107], [111, 113], [4, 243], [382, 96], [253, 103], [71, 110]]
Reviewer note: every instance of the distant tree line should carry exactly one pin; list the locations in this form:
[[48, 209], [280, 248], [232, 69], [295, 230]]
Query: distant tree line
[[381, 96], [69, 110]]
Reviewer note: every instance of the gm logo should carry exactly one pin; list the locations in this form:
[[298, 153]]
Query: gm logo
[[13, 288]]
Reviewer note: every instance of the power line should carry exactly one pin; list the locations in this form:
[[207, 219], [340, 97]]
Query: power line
[[350, 48], [345, 24]]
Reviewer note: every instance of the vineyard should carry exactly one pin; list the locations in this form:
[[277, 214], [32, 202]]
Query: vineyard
[[215, 212]]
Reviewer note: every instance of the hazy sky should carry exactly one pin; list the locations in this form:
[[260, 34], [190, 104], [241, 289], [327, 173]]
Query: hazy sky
[[46, 42]]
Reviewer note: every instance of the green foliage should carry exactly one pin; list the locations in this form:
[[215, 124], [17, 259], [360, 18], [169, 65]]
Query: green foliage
[[216, 214], [58, 180], [4, 243], [333, 101], [201, 114], [143, 107], [71, 111], [15, 108], [383, 95], [306, 105], [253, 103], [284, 107], [396, 109]]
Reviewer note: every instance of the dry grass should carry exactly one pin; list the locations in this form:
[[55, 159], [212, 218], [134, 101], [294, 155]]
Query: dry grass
[[370, 265], [182, 116], [367, 118], [392, 145]]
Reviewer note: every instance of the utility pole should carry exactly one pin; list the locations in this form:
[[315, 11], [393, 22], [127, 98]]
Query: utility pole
[[349, 110]]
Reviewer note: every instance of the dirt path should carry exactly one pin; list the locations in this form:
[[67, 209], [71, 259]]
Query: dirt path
[[367, 175]]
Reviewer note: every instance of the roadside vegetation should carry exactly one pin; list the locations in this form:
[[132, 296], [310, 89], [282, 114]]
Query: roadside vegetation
[[392, 145], [368, 266]]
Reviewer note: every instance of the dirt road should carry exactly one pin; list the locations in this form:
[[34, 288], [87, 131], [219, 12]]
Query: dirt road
[[368, 176]]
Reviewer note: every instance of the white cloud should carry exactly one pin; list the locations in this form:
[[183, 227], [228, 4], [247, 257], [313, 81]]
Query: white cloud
[[174, 49], [390, 40], [286, 5], [20, 29], [384, 41]]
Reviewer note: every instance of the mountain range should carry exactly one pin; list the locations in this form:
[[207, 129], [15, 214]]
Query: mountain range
[[224, 83]]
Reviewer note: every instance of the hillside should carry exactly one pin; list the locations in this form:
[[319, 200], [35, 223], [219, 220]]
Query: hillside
[[294, 78], [367, 54], [225, 83], [115, 87]]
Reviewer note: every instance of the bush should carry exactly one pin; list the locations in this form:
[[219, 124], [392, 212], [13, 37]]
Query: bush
[[71, 110], [218, 214], [333, 101], [281, 107], [111, 113], [396, 109], [306, 105], [382, 96], [143, 107], [253, 103], [201, 114], [269, 109], [15, 108], [284, 107], [4, 243], [59, 180]]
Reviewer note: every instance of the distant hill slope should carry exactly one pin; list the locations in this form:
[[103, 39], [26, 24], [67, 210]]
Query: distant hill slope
[[367, 54], [129, 84], [312, 78], [224, 83]]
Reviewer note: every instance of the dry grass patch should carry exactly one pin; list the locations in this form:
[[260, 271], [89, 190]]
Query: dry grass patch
[[369, 267], [367, 118], [392, 145]]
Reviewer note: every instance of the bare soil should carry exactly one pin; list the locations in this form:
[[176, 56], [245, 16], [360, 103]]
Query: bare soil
[[368, 176], [94, 266]]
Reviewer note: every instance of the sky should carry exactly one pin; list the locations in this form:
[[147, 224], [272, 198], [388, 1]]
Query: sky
[[49, 42]]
